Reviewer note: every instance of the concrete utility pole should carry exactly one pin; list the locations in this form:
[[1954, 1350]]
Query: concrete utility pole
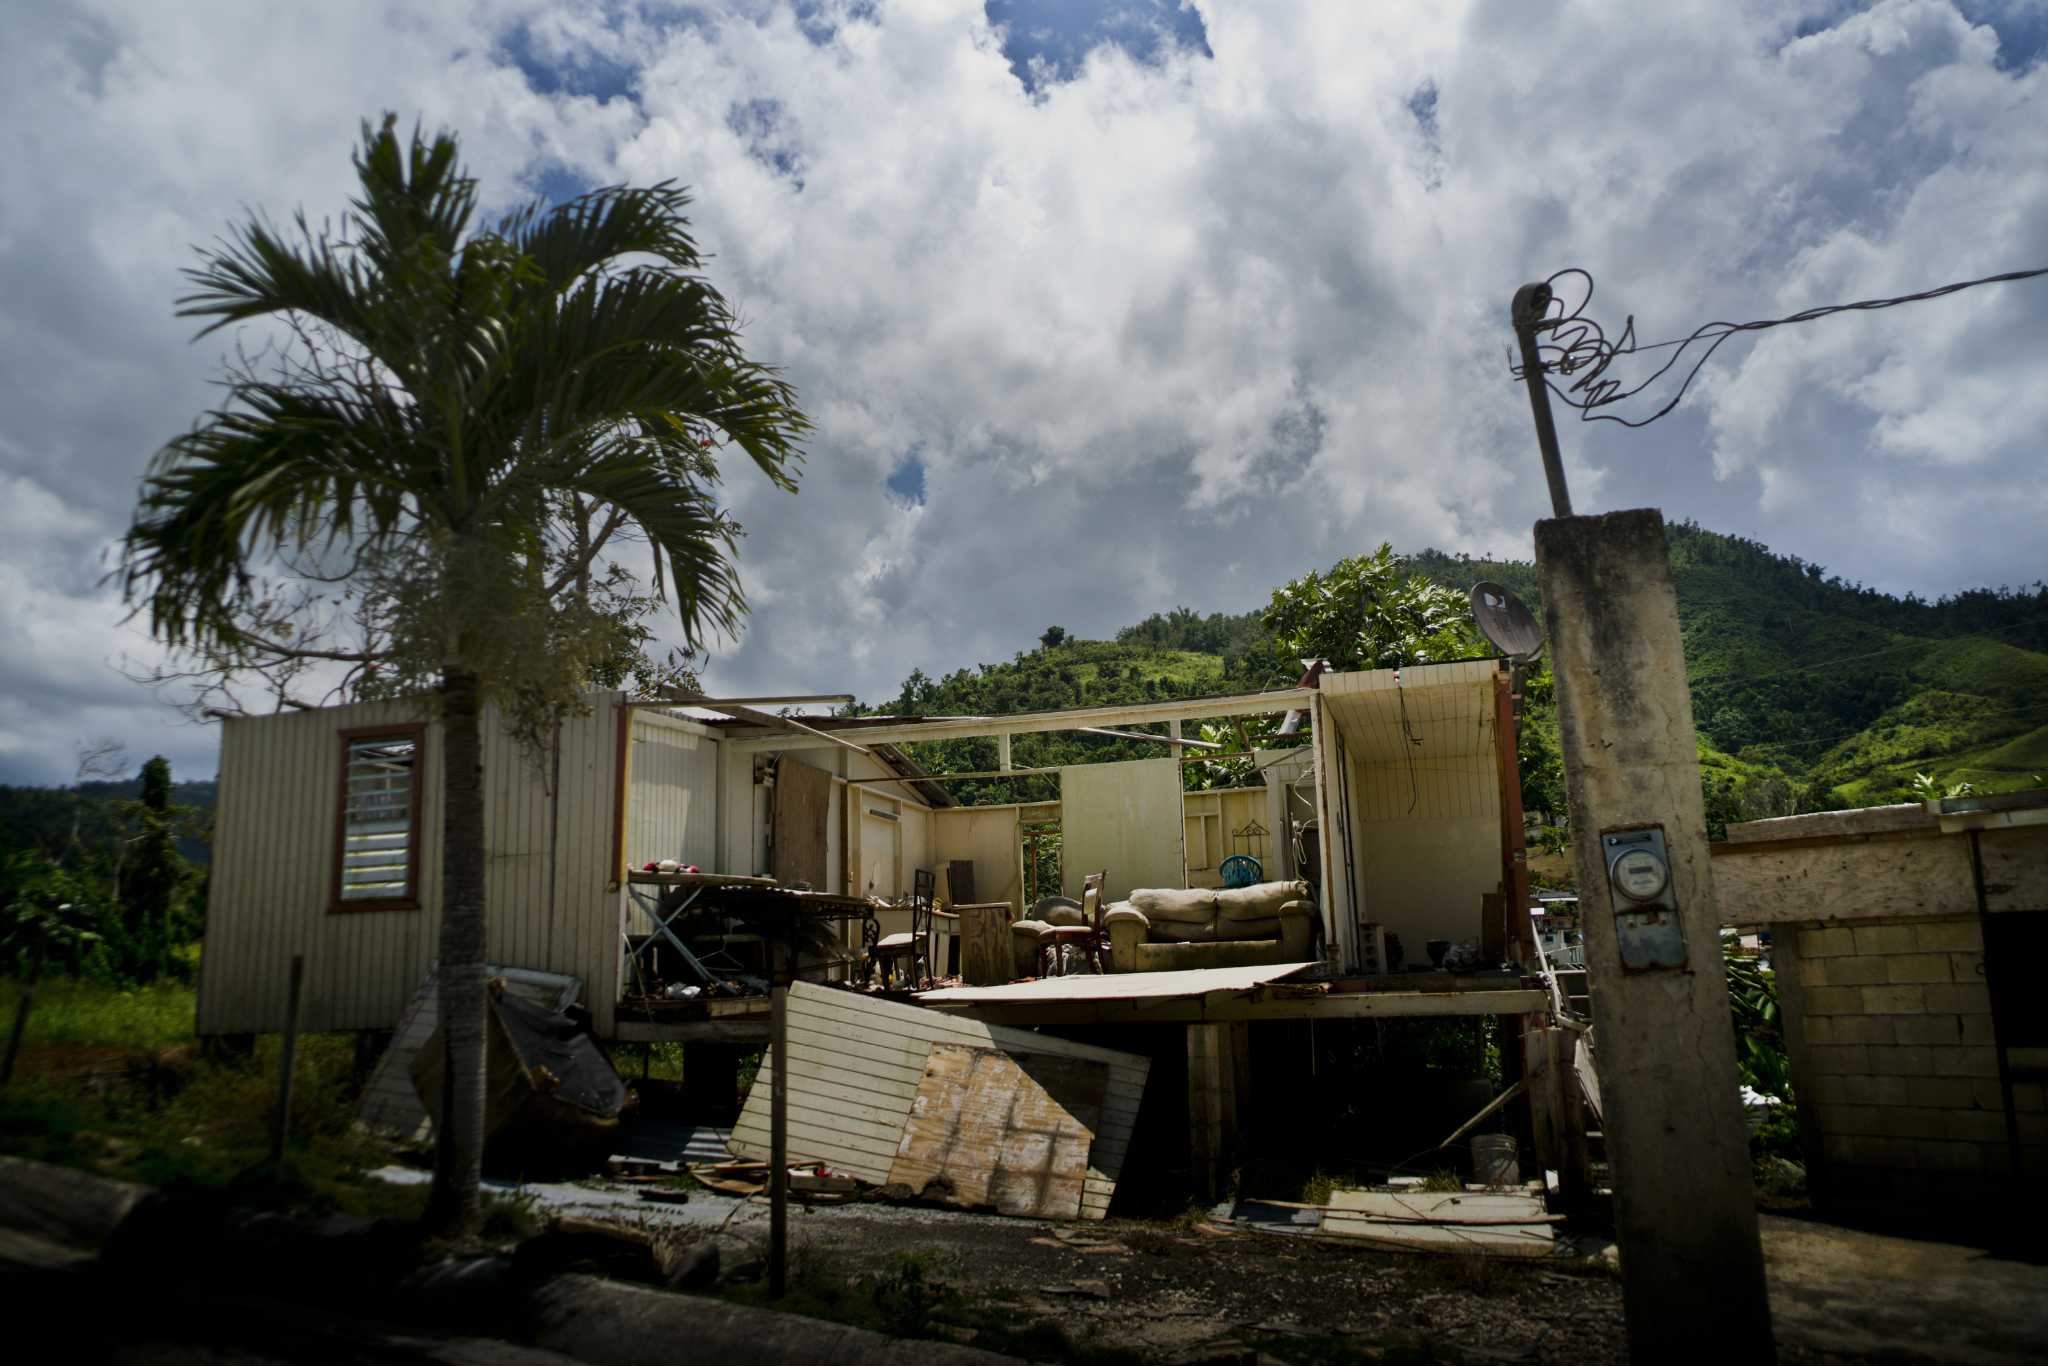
[[1692, 1267], [1684, 1211]]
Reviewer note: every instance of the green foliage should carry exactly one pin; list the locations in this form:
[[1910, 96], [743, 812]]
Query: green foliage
[[1370, 612], [156, 882], [462, 420], [48, 909], [117, 899], [1811, 693], [71, 1010], [1760, 1057]]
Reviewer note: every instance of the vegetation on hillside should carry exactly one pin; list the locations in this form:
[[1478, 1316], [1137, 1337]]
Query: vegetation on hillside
[[1810, 692], [101, 888]]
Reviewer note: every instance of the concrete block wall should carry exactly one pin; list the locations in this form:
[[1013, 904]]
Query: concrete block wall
[[1895, 1060]]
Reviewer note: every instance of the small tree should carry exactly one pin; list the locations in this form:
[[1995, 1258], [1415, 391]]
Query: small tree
[[1367, 612], [155, 878], [457, 428], [1054, 637]]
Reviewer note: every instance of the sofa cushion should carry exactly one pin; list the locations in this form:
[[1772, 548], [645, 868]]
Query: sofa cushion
[[1234, 953], [1261, 901]]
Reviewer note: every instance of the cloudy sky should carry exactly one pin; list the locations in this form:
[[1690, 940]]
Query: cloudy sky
[[1100, 306]]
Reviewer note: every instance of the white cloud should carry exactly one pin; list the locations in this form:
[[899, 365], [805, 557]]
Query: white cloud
[[1167, 332]]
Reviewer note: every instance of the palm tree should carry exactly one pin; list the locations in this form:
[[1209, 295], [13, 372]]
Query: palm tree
[[451, 406]]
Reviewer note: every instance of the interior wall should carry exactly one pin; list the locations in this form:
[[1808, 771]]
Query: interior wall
[[988, 836], [1427, 845], [671, 810], [1211, 820], [1125, 819]]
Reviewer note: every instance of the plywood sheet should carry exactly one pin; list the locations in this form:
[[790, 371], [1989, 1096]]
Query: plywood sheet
[[1008, 1130], [803, 799], [1125, 819], [1472, 1222], [1859, 877], [856, 1064]]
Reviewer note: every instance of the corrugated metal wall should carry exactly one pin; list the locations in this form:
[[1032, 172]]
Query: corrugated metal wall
[[672, 810], [273, 872]]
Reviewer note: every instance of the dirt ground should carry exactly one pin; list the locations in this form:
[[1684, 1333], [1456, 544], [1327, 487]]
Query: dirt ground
[[1184, 1293]]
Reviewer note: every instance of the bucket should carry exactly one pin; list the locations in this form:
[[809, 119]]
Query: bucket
[[1495, 1161]]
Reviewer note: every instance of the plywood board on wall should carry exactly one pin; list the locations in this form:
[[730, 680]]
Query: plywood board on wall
[[1124, 819], [803, 801], [1008, 1130], [988, 839], [1859, 877]]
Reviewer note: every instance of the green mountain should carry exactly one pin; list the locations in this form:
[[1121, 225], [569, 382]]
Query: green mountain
[[90, 817], [1844, 691], [1809, 691]]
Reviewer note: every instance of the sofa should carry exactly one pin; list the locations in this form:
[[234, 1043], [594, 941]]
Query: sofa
[[1163, 929]]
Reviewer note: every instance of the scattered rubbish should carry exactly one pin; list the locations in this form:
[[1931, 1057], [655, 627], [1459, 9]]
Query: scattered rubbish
[[552, 1099], [1504, 1224], [682, 991], [665, 1195], [1087, 1290], [1495, 1160]]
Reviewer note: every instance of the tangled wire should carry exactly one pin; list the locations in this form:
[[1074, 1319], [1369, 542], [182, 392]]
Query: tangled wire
[[1568, 343]]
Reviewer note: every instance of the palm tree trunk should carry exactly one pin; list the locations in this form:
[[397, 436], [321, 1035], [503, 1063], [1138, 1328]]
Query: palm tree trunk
[[459, 1139]]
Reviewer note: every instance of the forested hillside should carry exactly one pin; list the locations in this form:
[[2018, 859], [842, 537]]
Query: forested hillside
[[1809, 691]]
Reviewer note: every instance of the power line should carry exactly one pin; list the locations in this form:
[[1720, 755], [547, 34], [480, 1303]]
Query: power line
[[1572, 342]]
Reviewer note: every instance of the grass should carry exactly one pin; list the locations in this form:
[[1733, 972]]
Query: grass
[[104, 1085], [69, 1011]]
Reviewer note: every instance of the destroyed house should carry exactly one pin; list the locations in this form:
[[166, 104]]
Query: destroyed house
[[1399, 810]]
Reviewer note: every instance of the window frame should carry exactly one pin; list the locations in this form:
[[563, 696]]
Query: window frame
[[410, 901]]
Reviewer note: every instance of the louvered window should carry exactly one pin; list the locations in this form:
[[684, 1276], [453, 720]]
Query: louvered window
[[379, 835]]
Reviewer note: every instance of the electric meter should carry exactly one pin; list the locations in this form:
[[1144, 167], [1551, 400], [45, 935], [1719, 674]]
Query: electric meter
[[1648, 932], [1640, 875]]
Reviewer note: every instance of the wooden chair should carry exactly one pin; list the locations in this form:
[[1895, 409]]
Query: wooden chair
[[913, 946], [1059, 946]]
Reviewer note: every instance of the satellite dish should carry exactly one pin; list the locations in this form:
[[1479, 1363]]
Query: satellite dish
[[1504, 621]]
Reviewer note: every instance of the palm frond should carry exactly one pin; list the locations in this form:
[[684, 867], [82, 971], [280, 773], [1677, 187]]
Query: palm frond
[[276, 471], [567, 241], [692, 541]]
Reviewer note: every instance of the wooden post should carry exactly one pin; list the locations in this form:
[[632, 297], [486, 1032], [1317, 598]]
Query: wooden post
[[1003, 752], [1684, 1210], [21, 1009], [1212, 1109], [1557, 1117], [281, 1119], [1514, 840], [778, 1130]]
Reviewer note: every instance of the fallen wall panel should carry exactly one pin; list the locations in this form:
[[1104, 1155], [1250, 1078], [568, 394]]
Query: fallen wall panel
[[856, 1066]]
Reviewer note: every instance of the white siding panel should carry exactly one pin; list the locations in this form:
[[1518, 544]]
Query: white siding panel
[[547, 861], [855, 1066]]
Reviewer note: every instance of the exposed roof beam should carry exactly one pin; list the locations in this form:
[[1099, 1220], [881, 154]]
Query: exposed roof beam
[[770, 719], [1034, 723], [1155, 739], [716, 703]]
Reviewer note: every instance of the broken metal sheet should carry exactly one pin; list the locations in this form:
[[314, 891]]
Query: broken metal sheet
[[1117, 986]]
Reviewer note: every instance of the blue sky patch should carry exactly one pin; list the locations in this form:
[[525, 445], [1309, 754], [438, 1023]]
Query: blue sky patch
[[583, 73], [1046, 41], [906, 482]]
